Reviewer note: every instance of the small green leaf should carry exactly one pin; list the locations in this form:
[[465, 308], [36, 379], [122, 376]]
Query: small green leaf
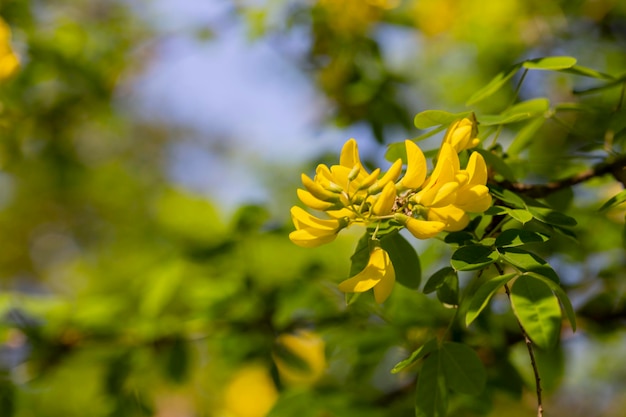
[[405, 261], [588, 72], [496, 210], [472, 257], [525, 136], [437, 279], [551, 63], [430, 118], [561, 295], [361, 255], [518, 237], [448, 291], [521, 215], [527, 261], [431, 399], [464, 371], [417, 354], [497, 164], [535, 106], [459, 238], [618, 198], [551, 216], [507, 196], [504, 118], [481, 297], [537, 309], [494, 85]]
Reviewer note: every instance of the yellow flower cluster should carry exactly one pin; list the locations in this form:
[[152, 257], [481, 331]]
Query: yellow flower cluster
[[8, 60], [349, 194]]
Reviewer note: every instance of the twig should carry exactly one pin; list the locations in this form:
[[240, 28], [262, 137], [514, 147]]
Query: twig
[[616, 167], [531, 352]]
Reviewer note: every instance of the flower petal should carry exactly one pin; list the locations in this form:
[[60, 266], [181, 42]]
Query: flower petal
[[386, 199], [415, 166]]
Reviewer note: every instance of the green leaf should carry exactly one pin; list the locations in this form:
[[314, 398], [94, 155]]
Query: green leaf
[[618, 198], [463, 370], [481, 297], [507, 196], [551, 63], [525, 136], [527, 261], [459, 238], [405, 261], [588, 72], [361, 255], [561, 295], [431, 399], [535, 106], [537, 309], [437, 279], [430, 118], [417, 354], [472, 257], [551, 216], [448, 291], [504, 118], [521, 215], [518, 237], [497, 164], [496, 210], [494, 85]]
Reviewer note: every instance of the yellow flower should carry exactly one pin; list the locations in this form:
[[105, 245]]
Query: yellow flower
[[461, 135], [302, 361], [473, 195], [452, 217], [250, 393], [312, 231], [441, 186], [378, 274], [415, 166], [384, 202], [9, 62], [421, 229]]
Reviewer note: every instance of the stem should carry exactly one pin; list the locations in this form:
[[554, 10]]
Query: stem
[[531, 352]]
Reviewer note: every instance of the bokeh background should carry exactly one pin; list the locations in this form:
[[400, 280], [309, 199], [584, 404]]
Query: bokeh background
[[149, 154]]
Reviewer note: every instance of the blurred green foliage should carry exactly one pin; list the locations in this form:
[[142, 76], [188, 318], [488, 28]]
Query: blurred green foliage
[[122, 294]]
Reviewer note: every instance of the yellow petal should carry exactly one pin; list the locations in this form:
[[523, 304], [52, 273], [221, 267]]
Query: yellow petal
[[392, 173], [371, 275], [460, 135], [474, 200], [383, 290], [315, 203], [302, 219], [453, 217], [386, 199], [318, 191], [424, 229], [415, 167], [349, 156], [254, 383], [309, 348], [310, 238], [477, 169]]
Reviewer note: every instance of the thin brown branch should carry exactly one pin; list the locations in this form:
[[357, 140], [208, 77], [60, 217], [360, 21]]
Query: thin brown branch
[[616, 167]]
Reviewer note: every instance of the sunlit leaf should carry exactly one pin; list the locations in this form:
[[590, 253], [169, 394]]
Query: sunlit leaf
[[494, 85], [587, 72], [417, 354], [431, 399], [527, 261], [504, 118], [521, 215], [481, 297], [552, 63], [561, 295], [473, 257], [535, 106], [430, 118], [518, 237], [507, 196], [525, 136], [464, 371], [537, 309]]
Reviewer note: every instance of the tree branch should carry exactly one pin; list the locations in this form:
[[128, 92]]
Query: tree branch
[[616, 167]]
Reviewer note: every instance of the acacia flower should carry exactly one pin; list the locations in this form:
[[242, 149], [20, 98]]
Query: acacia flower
[[461, 135], [441, 186], [415, 166], [312, 231], [8, 60], [421, 229], [473, 195], [378, 274]]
